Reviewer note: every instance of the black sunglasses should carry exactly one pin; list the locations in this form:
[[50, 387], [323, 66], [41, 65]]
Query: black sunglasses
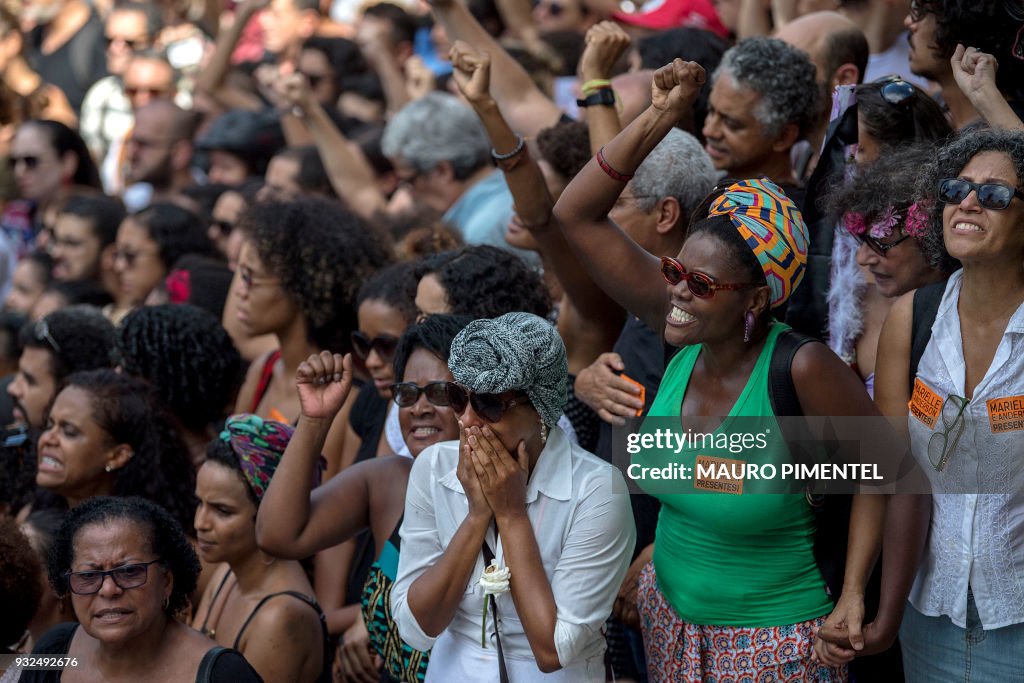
[[895, 90], [30, 161], [406, 394], [127, 576], [132, 44], [490, 407], [879, 247], [385, 346], [990, 195], [223, 227]]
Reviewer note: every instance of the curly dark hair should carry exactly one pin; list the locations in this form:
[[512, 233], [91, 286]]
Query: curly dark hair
[[176, 231], [42, 265], [167, 541], [782, 75], [322, 253], [87, 340], [991, 26], [486, 282], [160, 470], [888, 184], [950, 161], [566, 147], [187, 357], [20, 587], [392, 286], [434, 334], [918, 119]]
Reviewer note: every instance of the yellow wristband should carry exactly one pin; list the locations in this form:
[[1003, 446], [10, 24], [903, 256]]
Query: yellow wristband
[[595, 84]]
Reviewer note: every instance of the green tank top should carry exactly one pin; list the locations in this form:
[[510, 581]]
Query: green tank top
[[733, 559]]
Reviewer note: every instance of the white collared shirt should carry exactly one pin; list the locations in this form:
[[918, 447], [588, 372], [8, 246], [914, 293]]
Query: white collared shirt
[[976, 537], [580, 513]]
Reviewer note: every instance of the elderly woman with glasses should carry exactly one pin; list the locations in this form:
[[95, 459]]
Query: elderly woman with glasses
[[733, 585], [129, 569], [368, 495], [881, 213], [965, 618]]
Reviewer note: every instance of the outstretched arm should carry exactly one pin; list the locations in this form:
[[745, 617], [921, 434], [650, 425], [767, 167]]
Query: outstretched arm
[[975, 74], [533, 203], [527, 108], [620, 266]]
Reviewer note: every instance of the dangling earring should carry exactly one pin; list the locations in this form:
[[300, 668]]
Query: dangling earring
[[748, 325], [543, 432]]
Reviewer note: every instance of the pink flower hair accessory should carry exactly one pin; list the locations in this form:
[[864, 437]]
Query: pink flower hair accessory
[[917, 220], [855, 224], [883, 227]]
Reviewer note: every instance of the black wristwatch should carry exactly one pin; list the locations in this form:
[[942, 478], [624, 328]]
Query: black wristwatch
[[604, 96]]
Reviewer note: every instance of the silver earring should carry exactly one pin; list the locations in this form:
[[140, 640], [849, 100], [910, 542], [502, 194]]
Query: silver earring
[[109, 468], [543, 432]]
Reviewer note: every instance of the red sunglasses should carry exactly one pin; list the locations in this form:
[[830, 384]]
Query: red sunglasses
[[700, 285]]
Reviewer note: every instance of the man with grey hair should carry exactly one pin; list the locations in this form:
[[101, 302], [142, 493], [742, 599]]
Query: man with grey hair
[[441, 152], [764, 99]]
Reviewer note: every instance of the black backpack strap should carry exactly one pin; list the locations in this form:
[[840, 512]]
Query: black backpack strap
[[206, 665], [831, 512], [781, 392], [926, 307]]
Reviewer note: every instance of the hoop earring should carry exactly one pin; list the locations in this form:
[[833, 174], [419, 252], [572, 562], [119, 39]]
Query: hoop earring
[[748, 326], [543, 432]]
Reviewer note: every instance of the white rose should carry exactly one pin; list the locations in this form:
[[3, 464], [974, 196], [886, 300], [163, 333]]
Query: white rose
[[495, 579]]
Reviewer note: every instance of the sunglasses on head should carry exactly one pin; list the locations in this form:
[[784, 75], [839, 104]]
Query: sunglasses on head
[[406, 394], [990, 195], [31, 162], [699, 284], [384, 345], [895, 90], [490, 407]]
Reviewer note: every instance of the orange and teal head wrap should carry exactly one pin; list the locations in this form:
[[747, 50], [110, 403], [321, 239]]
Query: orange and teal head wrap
[[772, 227]]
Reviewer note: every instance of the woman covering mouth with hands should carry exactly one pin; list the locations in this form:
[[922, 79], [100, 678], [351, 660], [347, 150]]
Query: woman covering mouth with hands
[[370, 493]]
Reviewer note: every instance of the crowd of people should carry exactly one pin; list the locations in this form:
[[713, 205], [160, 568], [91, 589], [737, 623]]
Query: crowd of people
[[324, 325]]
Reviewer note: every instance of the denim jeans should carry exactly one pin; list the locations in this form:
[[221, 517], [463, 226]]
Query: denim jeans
[[935, 650]]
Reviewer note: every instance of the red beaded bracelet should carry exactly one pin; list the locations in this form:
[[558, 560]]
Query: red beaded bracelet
[[611, 172]]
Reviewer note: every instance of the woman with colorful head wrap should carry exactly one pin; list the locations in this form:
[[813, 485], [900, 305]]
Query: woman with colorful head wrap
[[731, 584], [260, 605]]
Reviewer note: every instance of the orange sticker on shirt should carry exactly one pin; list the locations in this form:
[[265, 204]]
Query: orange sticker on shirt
[[925, 404], [1006, 414], [720, 475]]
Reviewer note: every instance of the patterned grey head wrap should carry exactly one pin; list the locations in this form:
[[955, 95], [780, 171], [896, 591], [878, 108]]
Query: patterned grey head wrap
[[516, 352]]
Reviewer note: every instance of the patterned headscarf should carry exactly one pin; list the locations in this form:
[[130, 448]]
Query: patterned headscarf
[[517, 351], [773, 228], [259, 445]]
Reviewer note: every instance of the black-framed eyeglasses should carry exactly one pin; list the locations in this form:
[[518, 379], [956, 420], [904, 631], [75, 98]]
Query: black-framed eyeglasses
[[41, 331], [31, 162], [995, 196], [406, 394], [385, 345], [942, 445], [878, 246], [126, 577], [895, 90], [490, 407]]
